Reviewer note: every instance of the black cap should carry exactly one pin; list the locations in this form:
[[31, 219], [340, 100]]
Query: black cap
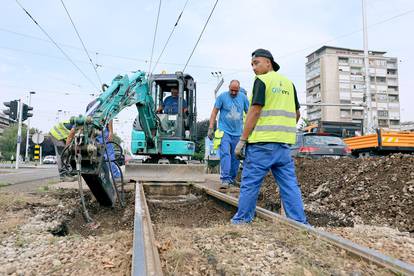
[[266, 54]]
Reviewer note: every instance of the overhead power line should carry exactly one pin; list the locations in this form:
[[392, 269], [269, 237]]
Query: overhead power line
[[235, 70], [83, 44], [57, 46], [198, 40], [155, 36], [169, 37]]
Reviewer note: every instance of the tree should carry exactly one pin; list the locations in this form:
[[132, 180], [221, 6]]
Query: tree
[[202, 129], [8, 142]]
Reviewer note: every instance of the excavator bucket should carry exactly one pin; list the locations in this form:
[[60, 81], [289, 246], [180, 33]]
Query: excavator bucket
[[166, 172]]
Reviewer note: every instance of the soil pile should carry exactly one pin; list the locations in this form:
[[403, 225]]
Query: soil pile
[[373, 191]]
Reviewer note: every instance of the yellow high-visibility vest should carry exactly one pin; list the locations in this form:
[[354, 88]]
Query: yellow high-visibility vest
[[59, 131], [218, 134], [277, 121]]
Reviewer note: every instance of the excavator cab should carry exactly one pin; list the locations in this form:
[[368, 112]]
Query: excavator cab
[[174, 97]]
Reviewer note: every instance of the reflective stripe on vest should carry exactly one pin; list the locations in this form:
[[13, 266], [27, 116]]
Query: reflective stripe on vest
[[277, 121], [59, 131]]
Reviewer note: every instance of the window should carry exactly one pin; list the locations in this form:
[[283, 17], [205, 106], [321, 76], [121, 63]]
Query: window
[[358, 86], [344, 95], [381, 79], [393, 98], [344, 77], [383, 123], [345, 113], [357, 78], [382, 113], [343, 85], [356, 70], [395, 122], [357, 113], [380, 62], [356, 61], [342, 60], [382, 98], [343, 68]]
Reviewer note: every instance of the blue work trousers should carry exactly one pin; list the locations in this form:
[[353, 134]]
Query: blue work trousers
[[260, 158], [111, 153], [229, 165]]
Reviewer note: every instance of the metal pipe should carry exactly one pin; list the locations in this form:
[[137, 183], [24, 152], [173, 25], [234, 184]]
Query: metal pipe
[[368, 123], [19, 133], [26, 155]]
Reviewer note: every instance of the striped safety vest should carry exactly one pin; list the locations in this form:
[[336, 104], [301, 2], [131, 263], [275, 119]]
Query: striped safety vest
[[277, 121], [59, 131]]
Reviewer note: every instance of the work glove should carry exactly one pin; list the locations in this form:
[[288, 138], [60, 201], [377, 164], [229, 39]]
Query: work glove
[[210, 134], [240, 149]]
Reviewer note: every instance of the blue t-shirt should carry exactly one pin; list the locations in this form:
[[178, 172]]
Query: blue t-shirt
[[231, 112], [170, 105]]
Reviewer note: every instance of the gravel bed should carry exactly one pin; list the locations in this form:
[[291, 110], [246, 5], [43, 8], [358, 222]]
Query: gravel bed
[[195, 238], [50, 236]]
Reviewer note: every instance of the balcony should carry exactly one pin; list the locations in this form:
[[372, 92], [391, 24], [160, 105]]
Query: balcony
[[391, 65]]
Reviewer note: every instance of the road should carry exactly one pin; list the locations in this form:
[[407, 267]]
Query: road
[[11, 179]]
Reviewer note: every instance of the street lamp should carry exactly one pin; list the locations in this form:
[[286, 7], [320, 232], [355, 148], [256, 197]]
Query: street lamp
[[220, 81], [26, 156]]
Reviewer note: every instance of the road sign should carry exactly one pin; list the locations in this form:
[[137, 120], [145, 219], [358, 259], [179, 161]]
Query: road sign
[[37, 150], [38, 138]]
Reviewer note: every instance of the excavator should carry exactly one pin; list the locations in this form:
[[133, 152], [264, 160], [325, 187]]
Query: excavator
[[166, 140]]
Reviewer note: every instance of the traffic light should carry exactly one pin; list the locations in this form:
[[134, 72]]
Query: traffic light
[[13, 108], [26, 113]]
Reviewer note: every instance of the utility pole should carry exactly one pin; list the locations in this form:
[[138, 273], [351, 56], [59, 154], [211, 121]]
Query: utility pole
[[19, 133], [368, 122], [26, 156]]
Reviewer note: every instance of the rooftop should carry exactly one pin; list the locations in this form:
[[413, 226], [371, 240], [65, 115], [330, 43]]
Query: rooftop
[[345, 49]]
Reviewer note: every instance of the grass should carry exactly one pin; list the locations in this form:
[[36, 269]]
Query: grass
[[3, 184]]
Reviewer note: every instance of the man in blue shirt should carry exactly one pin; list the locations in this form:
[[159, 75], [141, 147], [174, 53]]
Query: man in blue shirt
[[170, 104], [231, 105]]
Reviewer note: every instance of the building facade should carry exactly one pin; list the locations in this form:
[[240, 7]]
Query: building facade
[[336, 76]]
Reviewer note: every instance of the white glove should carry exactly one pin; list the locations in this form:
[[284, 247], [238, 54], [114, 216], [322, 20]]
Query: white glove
[[240, 149]]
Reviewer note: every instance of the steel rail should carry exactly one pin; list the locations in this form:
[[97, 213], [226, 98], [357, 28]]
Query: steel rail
[[366, 253], [145, 258]]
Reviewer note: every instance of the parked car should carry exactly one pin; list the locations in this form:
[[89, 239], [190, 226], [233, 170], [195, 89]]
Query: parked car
[[316, 145], [49, 159]]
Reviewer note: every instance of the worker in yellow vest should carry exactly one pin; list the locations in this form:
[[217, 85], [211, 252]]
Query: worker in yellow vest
[[61, 134], [269, 129]]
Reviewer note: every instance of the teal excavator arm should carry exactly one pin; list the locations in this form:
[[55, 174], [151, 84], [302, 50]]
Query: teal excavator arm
[[122, 92], [87, 155]]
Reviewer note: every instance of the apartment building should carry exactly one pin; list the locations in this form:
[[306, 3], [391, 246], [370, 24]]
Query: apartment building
[[336, 76]]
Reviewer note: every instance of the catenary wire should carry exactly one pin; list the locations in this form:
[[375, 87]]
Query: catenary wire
[[57, 46], [83, 44], [155, 36], [194, 65], [202, 31], [169, 37]]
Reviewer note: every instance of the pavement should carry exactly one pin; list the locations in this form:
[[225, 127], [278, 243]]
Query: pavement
[[11, 177]]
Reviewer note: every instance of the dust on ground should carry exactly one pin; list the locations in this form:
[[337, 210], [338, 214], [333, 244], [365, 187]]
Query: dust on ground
[[195, 238], [45, 233]]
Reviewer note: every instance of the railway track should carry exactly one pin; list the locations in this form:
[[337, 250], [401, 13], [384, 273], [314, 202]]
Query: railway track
[[146, 259]]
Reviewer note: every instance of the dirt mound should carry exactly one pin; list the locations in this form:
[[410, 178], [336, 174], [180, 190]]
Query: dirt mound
[[375, 191]]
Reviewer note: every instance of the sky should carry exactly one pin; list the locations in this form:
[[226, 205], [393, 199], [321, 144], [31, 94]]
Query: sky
[[119, 35]]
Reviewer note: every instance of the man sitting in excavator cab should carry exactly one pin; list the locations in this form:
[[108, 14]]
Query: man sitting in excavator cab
[[170, 104]]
